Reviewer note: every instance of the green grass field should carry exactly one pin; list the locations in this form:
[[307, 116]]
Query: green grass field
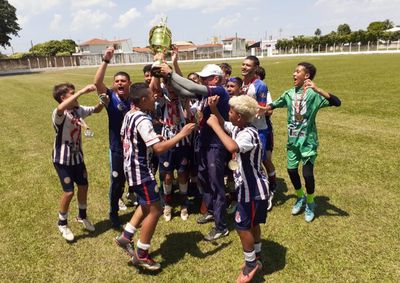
[[355, 237]]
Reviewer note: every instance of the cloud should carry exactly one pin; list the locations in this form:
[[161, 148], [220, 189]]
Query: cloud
[[125, 19], [347, 7], [33, 7], [88, 19], [55, 23], [204, 6], [227, 22], [81, 4]]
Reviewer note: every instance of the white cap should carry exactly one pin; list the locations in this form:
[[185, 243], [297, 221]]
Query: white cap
[[210, 70]]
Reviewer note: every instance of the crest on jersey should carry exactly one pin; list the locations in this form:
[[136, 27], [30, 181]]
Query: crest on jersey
[[237, 217]]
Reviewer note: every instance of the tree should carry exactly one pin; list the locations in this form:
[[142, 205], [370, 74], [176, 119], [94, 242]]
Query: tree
[[388, 24], [54, 47], [380, 26], [8, 23], [343, 29], [317, 32]]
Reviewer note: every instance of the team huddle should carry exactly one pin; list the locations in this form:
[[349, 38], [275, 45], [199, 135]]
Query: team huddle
[[214, 130]]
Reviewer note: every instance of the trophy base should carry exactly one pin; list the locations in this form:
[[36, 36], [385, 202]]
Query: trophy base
[[156, 69]]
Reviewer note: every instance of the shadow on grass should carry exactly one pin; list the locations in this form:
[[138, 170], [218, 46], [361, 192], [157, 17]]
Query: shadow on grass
[[18, 72], [281, 192], [177, 245], [105, 225], [273, 257], [325, 208]]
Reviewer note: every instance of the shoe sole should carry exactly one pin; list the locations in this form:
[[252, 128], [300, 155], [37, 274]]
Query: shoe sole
[[221, 236], [135, 262], [84, 227], [205, 221]]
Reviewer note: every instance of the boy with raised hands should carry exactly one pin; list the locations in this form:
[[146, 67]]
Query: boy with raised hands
[[242, 140]]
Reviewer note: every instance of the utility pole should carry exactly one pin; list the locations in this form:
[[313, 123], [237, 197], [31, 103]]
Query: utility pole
[[236, 44]]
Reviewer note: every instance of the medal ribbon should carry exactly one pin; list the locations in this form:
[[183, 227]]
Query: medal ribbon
[[298, 101]]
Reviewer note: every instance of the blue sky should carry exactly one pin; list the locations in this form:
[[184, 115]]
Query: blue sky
[[195, 20]]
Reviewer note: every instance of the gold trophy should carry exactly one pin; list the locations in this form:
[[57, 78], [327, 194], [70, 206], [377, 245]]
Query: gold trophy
[[160, 40]]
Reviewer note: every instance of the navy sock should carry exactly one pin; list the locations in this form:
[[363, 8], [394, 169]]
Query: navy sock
[[128, 235], [250, 265], [142, 253], [82, 213]]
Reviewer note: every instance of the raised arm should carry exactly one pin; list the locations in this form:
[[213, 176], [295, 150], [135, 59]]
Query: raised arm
[[333, 100], [70, 100], [180, 82], [213, 102], [101, 71], [174, 58], [226, 140], [163, 146]]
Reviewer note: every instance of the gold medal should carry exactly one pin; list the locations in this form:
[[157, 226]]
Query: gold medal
[[198, 116], [233, 164], [298, 117]]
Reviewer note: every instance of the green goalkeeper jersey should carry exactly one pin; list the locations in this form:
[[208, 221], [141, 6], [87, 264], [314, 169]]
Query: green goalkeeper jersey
[[302, 108]]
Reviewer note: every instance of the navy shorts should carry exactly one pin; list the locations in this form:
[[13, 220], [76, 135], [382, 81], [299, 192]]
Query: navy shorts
[[250, 214], [70, 174], [146, 193], [176, 158]]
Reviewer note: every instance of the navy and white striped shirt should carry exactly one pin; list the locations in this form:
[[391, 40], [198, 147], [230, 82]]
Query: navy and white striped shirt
[[138, 136], [173, 118], [67, 148], [250, 179]]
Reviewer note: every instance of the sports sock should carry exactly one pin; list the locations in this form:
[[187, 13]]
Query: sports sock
[[300, 193], [183, 190], [82, 210], [129, 231], [167, 193], [62, 218], [310, 198], [272, 180], [251, 263], [257, 249], [142, 249]]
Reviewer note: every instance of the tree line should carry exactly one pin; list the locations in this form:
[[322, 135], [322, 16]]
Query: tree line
[[375, 31]]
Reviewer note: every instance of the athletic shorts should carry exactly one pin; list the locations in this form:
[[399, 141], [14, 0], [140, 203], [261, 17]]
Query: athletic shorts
[[70, 174], [250, 214], [295, 155], [146, 193], [176, 158]]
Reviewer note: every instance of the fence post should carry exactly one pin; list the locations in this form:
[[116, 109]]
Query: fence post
[[29, 63], [38, 62], [368, 47], [377, 44], [334, 47]]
